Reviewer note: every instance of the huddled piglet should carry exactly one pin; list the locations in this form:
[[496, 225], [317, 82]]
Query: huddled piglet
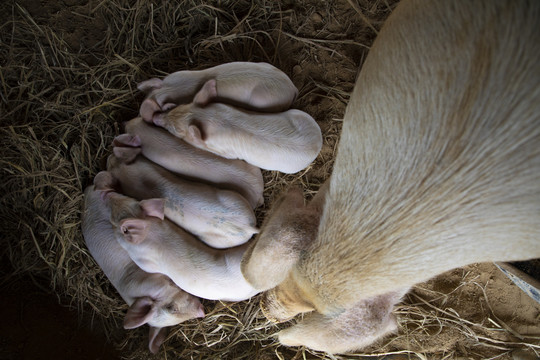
[[153, 299], [438, 166], [286, 141], [177, 156], [220, 218], [158, 245], [255, 86], [172, 213]]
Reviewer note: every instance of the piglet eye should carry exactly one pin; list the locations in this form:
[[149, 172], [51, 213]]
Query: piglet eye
[[171, 308]]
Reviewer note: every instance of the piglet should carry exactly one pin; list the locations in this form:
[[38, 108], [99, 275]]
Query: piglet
[[158, 245], [255, 86], [153, 299], [220, 218], [288, 141], [177, 156]]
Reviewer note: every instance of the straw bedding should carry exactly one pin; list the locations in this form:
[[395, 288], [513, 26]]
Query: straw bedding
[[68, 80]]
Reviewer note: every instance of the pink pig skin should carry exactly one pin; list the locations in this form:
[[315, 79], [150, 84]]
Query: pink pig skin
[[179, 157], [255, 86], [153, 298], [287, 141], [220, 218], [158, 245]]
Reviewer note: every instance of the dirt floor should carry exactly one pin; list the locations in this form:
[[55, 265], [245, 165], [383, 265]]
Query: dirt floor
[[478, 295], [35, 326], [69, 70]]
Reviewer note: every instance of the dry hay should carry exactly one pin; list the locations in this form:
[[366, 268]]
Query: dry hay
[[68, 74]]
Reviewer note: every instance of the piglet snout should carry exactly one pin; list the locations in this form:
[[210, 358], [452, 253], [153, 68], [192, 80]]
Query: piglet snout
[[148, 108], [159, 119], [127, 140]]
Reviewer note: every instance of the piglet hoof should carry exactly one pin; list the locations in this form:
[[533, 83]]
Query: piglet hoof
[[149, 85], [207, 93], [148, 108], [127, 140]]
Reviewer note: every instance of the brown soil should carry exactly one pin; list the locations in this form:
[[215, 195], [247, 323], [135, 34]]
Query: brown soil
[[477, 296]]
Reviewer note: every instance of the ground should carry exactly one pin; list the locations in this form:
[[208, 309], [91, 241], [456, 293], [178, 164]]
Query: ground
[[35, 326]]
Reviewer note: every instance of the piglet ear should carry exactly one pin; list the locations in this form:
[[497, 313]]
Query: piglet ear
[[207, 93], [134, 230], [126, 154], [153, 207], [139, 313], [195, 134], [156, 337], [150, 84]]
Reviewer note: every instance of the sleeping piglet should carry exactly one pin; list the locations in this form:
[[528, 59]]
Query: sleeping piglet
[[255, 86], [220, 218], [153, 299], [288, 141], [177, 156], [158, 245]]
